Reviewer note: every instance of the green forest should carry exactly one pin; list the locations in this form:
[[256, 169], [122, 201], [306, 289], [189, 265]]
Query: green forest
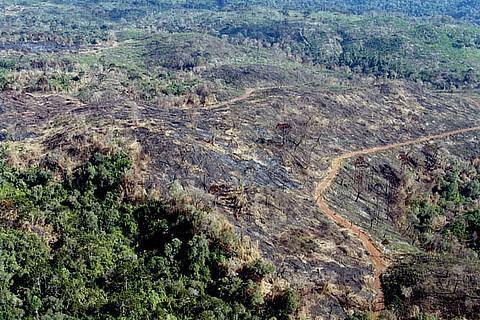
[[74, 247]]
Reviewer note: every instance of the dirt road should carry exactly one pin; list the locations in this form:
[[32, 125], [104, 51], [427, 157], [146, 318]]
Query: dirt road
[[378, 260], [245, 95]]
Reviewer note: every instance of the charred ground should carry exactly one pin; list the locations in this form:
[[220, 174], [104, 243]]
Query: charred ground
[[248, 117]]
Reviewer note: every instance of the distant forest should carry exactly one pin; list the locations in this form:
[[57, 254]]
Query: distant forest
[[467, 10], [442, 49]]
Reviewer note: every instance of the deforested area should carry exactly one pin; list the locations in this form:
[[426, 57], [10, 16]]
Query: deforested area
[[239, 159]]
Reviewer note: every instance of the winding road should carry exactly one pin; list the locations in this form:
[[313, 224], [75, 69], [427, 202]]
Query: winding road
[[379, 262], [245, 95]]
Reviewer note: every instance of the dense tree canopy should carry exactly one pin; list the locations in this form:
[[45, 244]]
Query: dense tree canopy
[[74, 248]]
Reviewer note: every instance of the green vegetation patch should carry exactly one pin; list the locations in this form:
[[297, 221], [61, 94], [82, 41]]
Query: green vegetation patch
[[445, 216], [73, 247]]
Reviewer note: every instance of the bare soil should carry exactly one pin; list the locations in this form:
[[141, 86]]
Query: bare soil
[[259, 157]]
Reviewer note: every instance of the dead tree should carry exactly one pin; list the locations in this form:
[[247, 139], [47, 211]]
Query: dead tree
[[285, 129], [359, 175]]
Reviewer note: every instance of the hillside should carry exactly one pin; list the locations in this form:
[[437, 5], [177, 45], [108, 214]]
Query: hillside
[[239, 160]]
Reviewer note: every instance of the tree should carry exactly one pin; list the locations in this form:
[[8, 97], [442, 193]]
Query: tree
[[3, 80]]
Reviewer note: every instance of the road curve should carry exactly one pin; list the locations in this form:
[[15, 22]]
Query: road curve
[[378, 260]]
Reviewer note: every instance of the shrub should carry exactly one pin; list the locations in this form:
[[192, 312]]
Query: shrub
[[359, 316], [285, 304]]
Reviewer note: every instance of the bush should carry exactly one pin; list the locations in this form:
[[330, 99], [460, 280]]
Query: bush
[[257, 270], [3, 81], [359, 316], [285, 304]]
